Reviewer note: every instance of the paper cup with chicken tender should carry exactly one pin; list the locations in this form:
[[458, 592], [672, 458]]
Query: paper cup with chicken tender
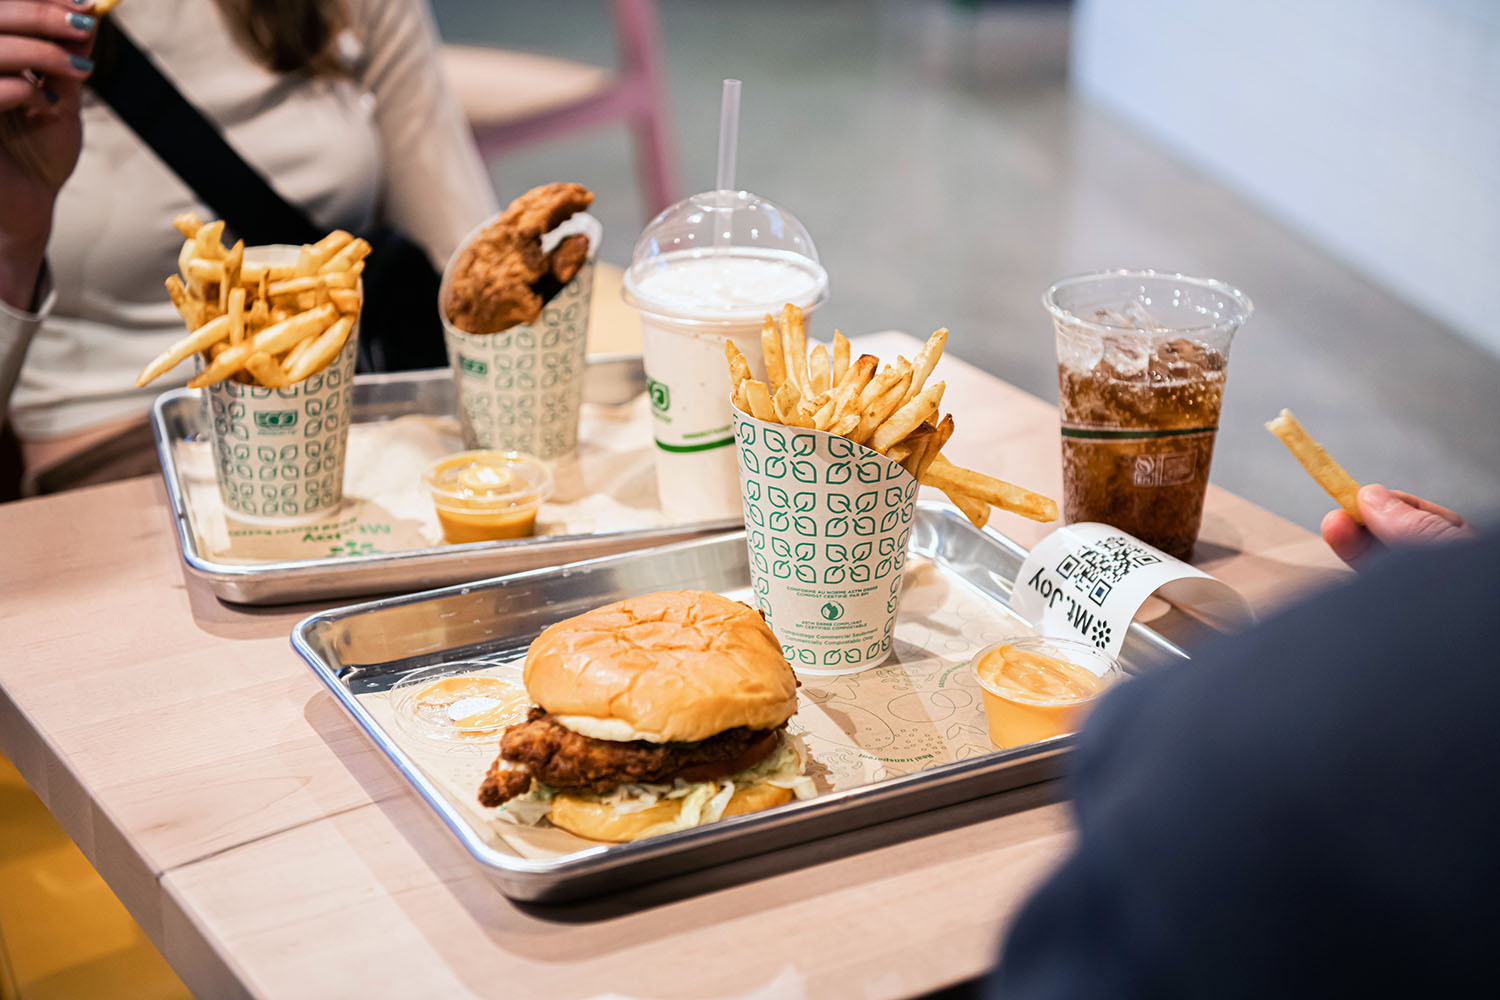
[[827, 523], [279, 452], [518, 346]]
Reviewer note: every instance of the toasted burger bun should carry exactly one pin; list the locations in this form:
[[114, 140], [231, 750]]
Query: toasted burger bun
[[597, 821], [680, 665]]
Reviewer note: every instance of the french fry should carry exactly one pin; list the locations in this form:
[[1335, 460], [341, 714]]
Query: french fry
[[770, 344], [236, 315], [290, 360], [759, 398], [323, 350], [840, 358], [916, 446], [187, 223], [259, 317], [342, 279], [738, 399], [881, 407], [345, 300], [818, 371], [198, 340], [739, 367], [202, 272], [794, 346], [208, 241], [305, 267], [1319, 464], [907, 418], [976, 510], [324, 249], [347, 257], [940, 438], [927, 360], [292, 286], [179, 295], [283, 336], [996, 492], [844, 425], [788, 404], [234, 259], [266, 371]]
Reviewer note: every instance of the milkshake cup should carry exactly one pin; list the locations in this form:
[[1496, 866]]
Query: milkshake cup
[[693, 294]]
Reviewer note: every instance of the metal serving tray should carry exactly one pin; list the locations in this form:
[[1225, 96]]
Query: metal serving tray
[[365, 649], [178, 416]]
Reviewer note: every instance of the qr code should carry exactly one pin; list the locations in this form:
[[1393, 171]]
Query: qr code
[[1095, 569]]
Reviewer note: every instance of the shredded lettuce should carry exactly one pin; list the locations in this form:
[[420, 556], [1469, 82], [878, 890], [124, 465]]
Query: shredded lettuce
[[702, 801], [530, 807]]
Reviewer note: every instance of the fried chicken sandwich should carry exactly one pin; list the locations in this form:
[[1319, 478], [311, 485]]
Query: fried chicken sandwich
[[652, 714]]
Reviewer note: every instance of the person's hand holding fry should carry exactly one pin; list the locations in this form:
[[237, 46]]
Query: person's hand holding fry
[[1392, 518], [44, 58]]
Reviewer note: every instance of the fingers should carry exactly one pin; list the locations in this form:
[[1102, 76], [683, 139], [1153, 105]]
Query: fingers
[[65, 22], [19, 53], [1346, 538], [1398, 518]]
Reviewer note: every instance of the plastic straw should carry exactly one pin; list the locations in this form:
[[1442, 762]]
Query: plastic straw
[[729, 140], [729, 134]]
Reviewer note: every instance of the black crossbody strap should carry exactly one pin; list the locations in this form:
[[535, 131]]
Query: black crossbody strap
[[128, 81]]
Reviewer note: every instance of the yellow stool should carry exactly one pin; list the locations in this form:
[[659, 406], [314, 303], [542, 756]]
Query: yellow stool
[[63, 934]]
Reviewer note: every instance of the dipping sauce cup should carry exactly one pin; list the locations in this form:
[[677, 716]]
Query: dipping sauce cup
[[486, 495], [1035, 688]]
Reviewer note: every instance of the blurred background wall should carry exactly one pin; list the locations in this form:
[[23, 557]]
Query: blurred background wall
[[1373, 126]]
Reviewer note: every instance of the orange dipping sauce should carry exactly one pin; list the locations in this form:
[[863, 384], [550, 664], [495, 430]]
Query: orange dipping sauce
[[477, 707], [482, 496], [1035, 689]]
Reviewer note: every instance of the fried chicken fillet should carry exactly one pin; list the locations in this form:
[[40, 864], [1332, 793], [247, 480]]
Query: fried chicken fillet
[[540, 748], [502, 278]]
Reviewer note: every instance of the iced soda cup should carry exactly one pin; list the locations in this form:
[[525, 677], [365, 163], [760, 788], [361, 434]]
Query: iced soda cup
[[1141, 362], [694, 295]]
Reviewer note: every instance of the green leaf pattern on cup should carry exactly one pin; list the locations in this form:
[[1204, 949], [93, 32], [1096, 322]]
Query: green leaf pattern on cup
[[826, 525], [280, 452], [521, 389]]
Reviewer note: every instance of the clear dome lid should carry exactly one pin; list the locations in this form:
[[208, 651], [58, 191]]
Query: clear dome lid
[[765, 259]]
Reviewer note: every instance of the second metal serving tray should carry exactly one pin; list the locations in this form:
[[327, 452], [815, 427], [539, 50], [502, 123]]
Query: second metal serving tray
[[177, 417], [361, 652]]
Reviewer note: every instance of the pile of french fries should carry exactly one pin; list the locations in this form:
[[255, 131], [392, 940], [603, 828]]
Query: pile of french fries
[[261, 324], [892, 411]]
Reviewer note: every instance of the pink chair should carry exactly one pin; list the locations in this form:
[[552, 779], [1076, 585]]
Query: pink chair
[[513, 99]]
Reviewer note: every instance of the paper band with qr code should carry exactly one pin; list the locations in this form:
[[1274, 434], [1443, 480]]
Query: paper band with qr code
[[1087, 581]]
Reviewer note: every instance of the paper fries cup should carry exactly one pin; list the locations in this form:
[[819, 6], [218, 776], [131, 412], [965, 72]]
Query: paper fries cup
[[521, 389], [279, 453], [826, 523]]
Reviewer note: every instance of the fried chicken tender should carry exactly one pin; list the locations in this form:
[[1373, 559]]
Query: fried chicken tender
[[543, 749], [503, 278]]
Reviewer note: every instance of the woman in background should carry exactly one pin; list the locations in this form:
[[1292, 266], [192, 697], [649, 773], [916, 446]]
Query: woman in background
[[340, 105]]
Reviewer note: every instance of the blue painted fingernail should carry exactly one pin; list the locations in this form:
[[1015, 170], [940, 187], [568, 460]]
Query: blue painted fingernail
[[82, 3], [50, 96], [81, 63], [81, 21]]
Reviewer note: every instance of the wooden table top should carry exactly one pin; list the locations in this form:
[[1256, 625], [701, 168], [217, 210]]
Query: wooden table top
[[268, 850]]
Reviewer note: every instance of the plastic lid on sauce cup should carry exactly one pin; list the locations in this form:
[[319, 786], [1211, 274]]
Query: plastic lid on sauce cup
[[1079, 654], [453, 704], [769, 255], [489, 480]]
